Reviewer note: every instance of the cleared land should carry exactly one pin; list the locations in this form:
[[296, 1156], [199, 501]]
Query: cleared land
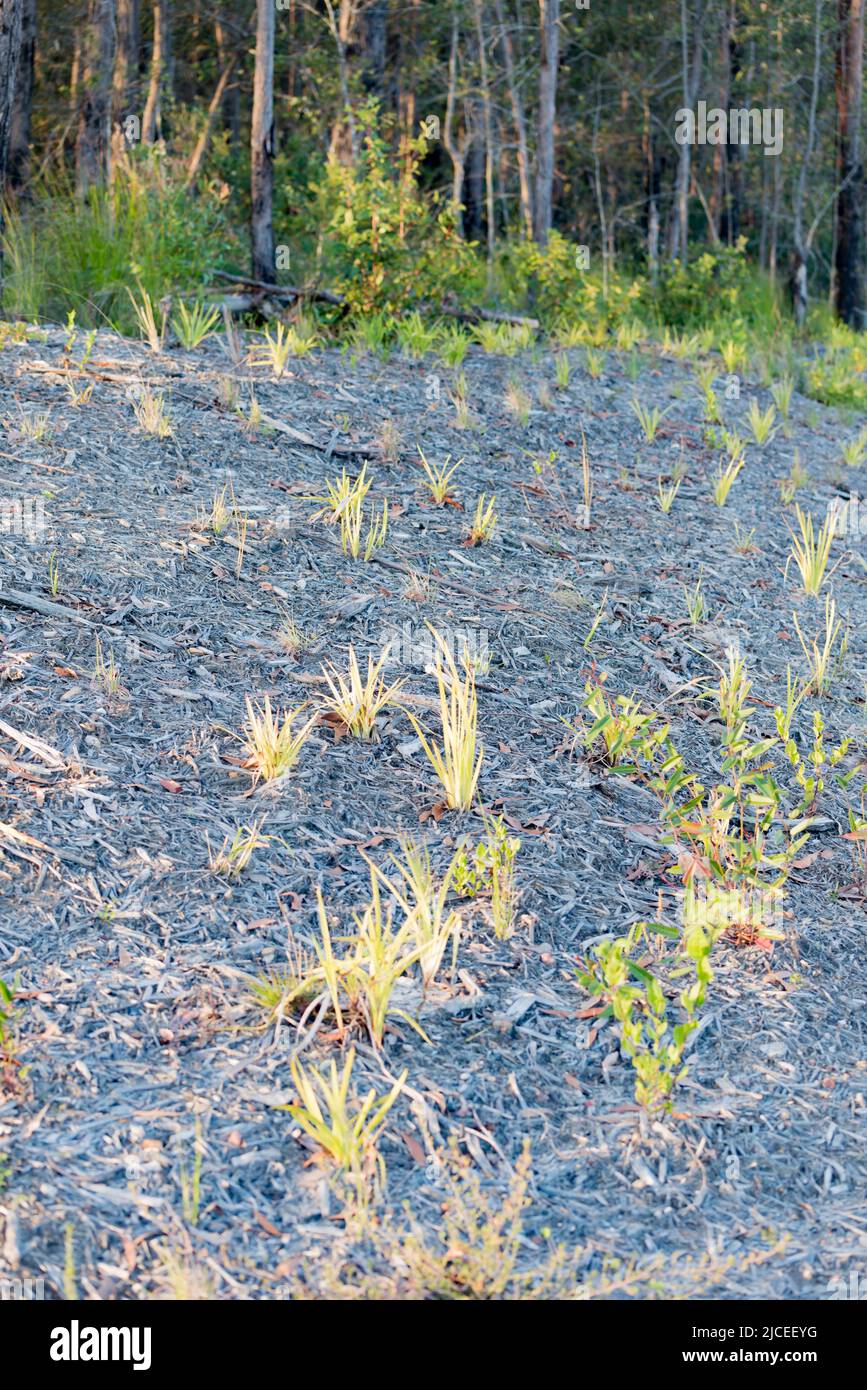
[[135, 960]]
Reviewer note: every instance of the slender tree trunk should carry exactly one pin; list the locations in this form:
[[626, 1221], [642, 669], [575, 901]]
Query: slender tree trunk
[[489, 143], [798, 282], [169, 92], [611, 234], [520, 123], [22, 107], [74, 76], [295, 43], [767, 177], [763, 227], [680, 221], [344, 138], [691, 78], [653, 239], [717, 190], [125, 77], [93, 143], [231, 97], [197, 158], [415, 46], [407, 111], [724, 214], [777, 170], [850, 301], [549, 19], [475, 179], [375, 37], [456, 150], [730, 222], [126, 58], [264, 265], [11, 19], [652, 178], [600, 201], [150, 121]]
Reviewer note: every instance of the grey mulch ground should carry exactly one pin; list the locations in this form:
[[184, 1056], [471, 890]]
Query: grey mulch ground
[[134, 959]]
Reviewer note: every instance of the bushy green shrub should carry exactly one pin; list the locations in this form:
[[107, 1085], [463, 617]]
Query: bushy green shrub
[[717, 285], [839, 378], [563, 289], [68, 253], [385, 244]]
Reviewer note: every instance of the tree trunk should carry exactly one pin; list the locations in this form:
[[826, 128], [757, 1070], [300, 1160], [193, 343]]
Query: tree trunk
[[801, 242], [407, 105], [150, 121], [730, 221], [850, 202], [777, 171], [652, 185], [344, 140], [264, 266], [126, 58], [549, 18], [475, 178], [93, 144], [22, 108], [231, 97], [691, 78], [489, 144], [296, 43], [125, 78], [520, 123], [375, 36], [457, 151], [798, 285], [11, 18], [197, 158], [74, 75], [600, 201]]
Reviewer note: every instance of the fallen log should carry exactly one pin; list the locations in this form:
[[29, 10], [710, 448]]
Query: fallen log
[[284, 291], [17, 598], [370, 450], [472, 314], [475, 315]]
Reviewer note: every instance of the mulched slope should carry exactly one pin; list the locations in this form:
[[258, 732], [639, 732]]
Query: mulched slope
[[134, 958]]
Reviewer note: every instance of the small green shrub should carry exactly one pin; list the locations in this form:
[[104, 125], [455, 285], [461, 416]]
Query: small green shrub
[[636, 999], [564, 292], [735, 844], [386, 245], [718, 284], [837, 380], [10, 1065], [64, 253]]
